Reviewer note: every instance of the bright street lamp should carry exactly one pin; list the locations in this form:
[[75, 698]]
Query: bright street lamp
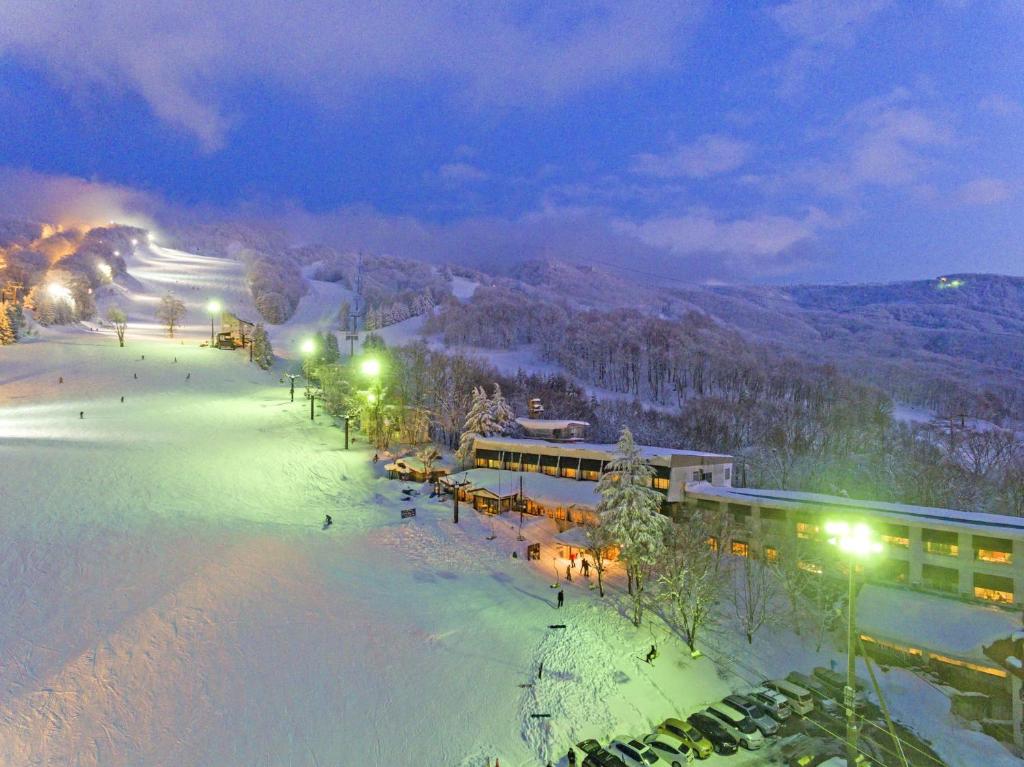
[[308, 346], [213, 307], [370, 367], [855, 541]]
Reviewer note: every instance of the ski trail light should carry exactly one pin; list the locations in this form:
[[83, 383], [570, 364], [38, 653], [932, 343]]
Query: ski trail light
[[308, 346], [855, 541], [105, 269], [214, 307], [58, 292], [370, 367], [135, 241]]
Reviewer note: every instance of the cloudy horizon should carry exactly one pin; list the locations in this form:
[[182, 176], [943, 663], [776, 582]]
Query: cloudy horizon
[[781, 142]]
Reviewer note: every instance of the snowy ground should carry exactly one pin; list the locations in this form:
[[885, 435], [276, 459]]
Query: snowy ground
[[170, 597]]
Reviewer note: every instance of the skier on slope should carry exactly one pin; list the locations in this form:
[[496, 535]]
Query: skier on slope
[[328, 521], [561, 597], [651, 655]]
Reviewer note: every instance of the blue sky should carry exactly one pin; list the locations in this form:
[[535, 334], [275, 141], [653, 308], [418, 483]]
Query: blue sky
[[743, 142]]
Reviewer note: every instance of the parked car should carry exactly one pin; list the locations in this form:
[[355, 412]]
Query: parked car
[[737, 724], [761, 718], [633, 753], [822, 697], [801, 701], [836, 683], [775, 703], [722, 741], [597, 755], [670, 748], [690, 735]]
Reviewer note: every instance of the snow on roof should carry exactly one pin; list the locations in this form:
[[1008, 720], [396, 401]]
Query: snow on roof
[[548, 423], [932, 623], [922, 514], [412, 463], [541, 488], [574, 536], [570, 448]]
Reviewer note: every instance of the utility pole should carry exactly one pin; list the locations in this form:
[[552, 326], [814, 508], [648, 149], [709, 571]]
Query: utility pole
[[346, 432], [312, 402], [849, 692], [455, 509]]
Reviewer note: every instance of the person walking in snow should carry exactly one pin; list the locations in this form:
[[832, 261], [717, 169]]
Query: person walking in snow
[[81, 414], [61, 380], [568, 573], [572, 757], [585, 567], [651, 655], [328, 521], [376, 458], [135, 376], [122, 398], [572, 560], [561, 598], [188, 377]]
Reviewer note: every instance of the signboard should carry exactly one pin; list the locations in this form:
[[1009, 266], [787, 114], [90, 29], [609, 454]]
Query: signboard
[[533, 551], [408, 513]]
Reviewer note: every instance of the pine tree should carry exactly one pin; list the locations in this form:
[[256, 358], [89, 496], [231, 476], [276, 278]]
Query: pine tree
[[479, 423], [7, 334], [262, 351], [501, 411], [330, 352], [631, 510]]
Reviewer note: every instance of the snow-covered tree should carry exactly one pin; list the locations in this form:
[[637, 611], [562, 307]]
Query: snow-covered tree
[[753, 595], [7, 334], [479, 423], [262, 351], [600, 545], [429, 456], [690, 584], [170, 312], [120, 322], [631, 510], [501, 412]]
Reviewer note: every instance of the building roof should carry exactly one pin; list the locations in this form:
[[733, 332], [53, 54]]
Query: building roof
[[932, 623], [902, 512], [570, 448], [412, 463], [540, 488], [548, 423]]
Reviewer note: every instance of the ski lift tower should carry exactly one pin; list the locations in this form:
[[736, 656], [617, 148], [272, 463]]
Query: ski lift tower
[[357, 310]]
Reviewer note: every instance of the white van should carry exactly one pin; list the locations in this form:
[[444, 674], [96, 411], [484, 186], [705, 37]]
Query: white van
[[800, 700], [737, 724]]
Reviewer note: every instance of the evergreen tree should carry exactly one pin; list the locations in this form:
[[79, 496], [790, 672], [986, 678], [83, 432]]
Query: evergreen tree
[[330, 353], [631, 510], [501, 411], [7, 334], [262, 351], [479, 423]]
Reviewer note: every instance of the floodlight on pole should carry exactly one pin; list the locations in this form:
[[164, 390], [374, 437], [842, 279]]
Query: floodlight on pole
[[213, 307], [308, 346], [856, 541], [370, 367]]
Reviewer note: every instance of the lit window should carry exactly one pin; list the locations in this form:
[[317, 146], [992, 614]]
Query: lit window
[[551, 471], [945, 549], [810, 567], [494, 463], [569, 471], [896, 540], [993, 595], [806, 530], [713, 543], [661, 483], [771, 554], [481, 462], [590, 474], [965, 664], [740, 548], [997, 557]]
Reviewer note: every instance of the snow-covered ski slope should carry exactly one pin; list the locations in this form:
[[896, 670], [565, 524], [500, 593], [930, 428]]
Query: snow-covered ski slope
[[169, 596]]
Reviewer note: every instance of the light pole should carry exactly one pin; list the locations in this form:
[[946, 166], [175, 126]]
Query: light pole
[[213, 307], [855, 541], [371, 368]]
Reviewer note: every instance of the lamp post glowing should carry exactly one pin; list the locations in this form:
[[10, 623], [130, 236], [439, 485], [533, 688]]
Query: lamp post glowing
[[213, 307], [855, 541], [371, 368]]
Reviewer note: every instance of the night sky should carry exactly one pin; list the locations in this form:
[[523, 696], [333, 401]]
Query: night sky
[[776, 142]]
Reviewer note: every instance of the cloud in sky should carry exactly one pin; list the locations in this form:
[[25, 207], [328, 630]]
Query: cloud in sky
[[984, 191], [73, 201], [182, 58], [710, 155], [461, 172]]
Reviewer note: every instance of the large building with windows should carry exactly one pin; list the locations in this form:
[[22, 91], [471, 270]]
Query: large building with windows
[[946, 552], [584, 462]]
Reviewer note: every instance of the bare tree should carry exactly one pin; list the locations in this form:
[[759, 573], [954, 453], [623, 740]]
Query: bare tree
[[753, 594], [429, 456], [170, 312], [120, 320], [689, 580], [600, 545]]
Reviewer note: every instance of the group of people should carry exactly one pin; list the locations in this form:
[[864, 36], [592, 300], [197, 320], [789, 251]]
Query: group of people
[[584, 566]]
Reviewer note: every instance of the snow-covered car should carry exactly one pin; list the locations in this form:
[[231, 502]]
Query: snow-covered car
[[836, 683], [822, 697], [738, 725], [722, 741], [761, 718], [690, 735], [775, 703], [636, 754], [801, 701], [597, 756], [670, 748]]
